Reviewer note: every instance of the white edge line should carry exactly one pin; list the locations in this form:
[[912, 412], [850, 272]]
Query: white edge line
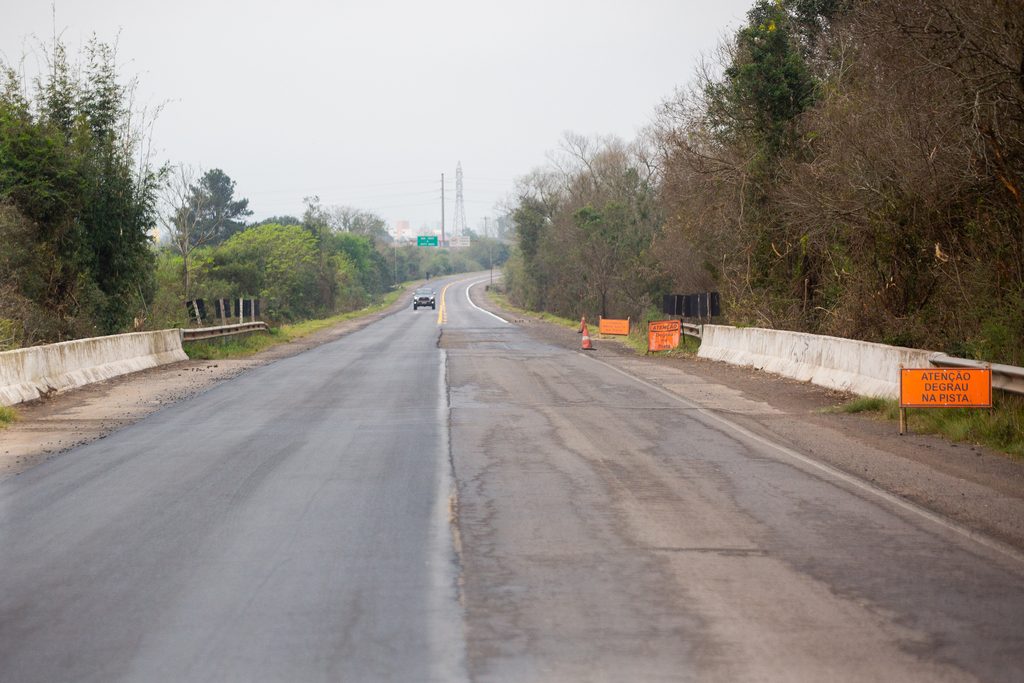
[[936, 518], [496, 317]]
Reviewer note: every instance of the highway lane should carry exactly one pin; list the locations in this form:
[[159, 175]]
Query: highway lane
[[612, 530], [289, 525]]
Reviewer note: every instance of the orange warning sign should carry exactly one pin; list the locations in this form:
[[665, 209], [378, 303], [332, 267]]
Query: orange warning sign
[[614, 327], [945, 387], [663, 335]]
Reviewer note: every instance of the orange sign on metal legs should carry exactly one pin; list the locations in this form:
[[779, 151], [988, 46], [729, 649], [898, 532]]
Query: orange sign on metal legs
[[944, 388], [607, 326], [663, 335]]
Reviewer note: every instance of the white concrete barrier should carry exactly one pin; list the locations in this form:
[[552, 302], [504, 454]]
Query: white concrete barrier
[[29, 373], [844, 364]]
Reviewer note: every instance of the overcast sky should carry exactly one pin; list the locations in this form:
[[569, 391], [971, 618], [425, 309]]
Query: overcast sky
[[367, 104]]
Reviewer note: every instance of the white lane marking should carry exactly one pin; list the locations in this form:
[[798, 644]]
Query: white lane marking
[[476, 282], [948, 524]]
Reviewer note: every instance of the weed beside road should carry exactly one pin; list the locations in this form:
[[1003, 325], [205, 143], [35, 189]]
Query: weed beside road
[[1001, 429], [8, 416], [499, 298]]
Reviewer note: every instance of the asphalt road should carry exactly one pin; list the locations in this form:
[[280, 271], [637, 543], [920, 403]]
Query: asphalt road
[[443, 496]]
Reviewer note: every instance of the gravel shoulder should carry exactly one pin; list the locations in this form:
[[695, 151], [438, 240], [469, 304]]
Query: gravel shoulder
[[967, 483], [50, 426]]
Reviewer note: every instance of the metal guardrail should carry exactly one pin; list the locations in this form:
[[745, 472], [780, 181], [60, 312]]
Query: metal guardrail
[[692, 330], [202, 333], [1006, 377]]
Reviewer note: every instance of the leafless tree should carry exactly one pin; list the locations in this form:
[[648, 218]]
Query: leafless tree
[[356, 221], [185, 206]]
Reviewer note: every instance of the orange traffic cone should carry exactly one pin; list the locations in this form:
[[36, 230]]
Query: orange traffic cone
[[587, 346], [583, 324]]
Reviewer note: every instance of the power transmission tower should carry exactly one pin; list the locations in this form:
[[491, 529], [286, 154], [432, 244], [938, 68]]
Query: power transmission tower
[[459, 223]]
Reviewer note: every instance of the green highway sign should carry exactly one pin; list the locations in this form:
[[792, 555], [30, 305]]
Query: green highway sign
[[426, 241]]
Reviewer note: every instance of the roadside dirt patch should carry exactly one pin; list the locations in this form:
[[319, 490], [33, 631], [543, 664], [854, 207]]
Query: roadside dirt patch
[[49, 426]]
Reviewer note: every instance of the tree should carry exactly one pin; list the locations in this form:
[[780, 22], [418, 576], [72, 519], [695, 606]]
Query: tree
[[199, 209], [530, 219], [281, 220], [277, 262], [74, 162], [885, 207], [315, 218], [216, 193], [186, 210], [584, 230], [766, 86], [356, 221], [609, 245], [487, 250], [369, 266]]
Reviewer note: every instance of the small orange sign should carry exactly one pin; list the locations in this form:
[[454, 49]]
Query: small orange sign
[[614, 327], [663, 335], [945, 387]]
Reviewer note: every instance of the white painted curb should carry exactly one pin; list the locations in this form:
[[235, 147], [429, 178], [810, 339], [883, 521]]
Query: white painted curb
[[849, 365], [26, 374]]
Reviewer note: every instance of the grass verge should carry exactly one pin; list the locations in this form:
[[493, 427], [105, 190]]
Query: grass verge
[[500, 299], [1001, 429], [235, 347], [8, 416], [246, 346], [886, 407]]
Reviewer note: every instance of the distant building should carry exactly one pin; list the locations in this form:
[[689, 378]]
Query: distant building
[[401, 230]]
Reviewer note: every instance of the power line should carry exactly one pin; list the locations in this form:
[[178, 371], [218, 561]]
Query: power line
[[337, 188]]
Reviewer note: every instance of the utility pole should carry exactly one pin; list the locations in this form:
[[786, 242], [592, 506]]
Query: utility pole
[[487, 234], [442, 209]]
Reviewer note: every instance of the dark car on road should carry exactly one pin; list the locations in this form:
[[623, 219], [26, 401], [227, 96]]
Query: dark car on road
[[423, 297]]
